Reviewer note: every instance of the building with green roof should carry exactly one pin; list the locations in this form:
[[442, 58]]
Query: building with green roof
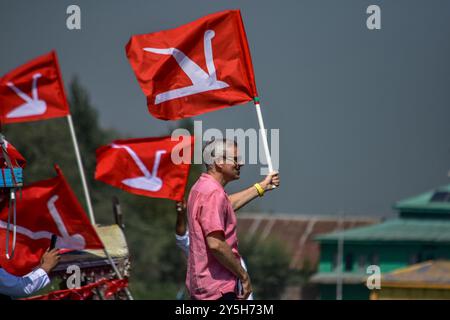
[[429, 280], [420, 233]]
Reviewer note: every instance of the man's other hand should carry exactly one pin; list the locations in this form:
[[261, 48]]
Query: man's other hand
[[246, 288], [181, 206]]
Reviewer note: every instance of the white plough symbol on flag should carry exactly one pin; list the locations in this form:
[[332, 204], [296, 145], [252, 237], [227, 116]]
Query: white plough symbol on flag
[[149, 181], [201, 81], [33, 105], [67, 241]]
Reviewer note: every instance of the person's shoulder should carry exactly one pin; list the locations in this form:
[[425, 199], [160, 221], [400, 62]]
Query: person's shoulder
[[206, 187], [215, 193], [209, 194]]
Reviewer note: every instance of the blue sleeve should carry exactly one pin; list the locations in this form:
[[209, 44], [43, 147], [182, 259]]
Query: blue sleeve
[[183, 242], [14, 286]]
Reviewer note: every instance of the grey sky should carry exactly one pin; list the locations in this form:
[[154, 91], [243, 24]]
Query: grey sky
[[363, 115]]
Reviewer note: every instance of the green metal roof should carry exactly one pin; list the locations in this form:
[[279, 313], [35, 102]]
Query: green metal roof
[[423, 203], [400, 230]]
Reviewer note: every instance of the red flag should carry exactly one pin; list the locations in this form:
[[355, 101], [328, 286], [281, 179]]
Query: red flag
[[33, 91], [46, 207], [14, 155], [145, 167], [199, 67], [113, 286], [109, 287]]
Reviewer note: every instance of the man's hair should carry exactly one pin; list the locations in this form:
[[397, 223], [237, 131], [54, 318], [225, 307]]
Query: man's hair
[[216, 149]]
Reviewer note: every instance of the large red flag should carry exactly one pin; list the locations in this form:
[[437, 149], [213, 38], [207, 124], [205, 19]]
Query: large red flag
[[145, 166], [33, 91], [45, 208], [196, 68]]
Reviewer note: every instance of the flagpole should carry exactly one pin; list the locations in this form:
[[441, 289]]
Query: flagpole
[[116, 270], [262, 129], [83, 178], [88, 201], [80, 167]]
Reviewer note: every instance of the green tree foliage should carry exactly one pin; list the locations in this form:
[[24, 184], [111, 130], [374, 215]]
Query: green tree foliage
[[268, 265]]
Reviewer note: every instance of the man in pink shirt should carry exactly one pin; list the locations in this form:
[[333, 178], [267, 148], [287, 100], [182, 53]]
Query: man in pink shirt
[[214, 262]]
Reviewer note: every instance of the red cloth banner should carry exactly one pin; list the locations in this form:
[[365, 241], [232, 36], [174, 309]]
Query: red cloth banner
[[199, 67], [33, 91], [144, 166], [46, 207], [108, 287]]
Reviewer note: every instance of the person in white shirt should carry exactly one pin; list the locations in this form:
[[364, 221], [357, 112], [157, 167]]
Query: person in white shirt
[[182, 237], [15, 287]]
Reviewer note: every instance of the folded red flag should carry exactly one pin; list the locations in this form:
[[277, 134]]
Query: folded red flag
[[14, 155], [145, 167], [33, 91], [196, 68]]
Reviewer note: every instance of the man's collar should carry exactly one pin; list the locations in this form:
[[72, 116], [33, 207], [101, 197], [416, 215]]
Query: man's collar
[[210, 177]]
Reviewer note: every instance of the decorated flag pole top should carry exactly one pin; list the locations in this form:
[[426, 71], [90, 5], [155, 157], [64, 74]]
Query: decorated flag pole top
[[10, 183]]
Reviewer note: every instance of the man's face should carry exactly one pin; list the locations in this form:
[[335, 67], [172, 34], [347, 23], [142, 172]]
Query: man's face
[[232, 165]]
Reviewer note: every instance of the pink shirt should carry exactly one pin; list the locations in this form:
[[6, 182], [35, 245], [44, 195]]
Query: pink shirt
[[209, 209]]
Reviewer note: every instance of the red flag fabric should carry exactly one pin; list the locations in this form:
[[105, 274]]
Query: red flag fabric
[[109, 287], [46, 207], [199, 67], [114, 286], [33, 91], [144, 166], [14, 155]]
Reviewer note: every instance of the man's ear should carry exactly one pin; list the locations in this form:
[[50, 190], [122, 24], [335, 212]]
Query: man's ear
[[218, 166]]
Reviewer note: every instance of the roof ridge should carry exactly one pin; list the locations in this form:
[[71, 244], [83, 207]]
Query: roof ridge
[[298, 216]]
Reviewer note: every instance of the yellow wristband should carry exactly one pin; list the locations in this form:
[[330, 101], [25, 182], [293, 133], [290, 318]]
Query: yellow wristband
[[259, 189]]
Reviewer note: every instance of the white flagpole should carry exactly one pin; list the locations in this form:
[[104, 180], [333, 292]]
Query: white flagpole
[[88, 201], [116, 270], [80, 167], [262, 129]]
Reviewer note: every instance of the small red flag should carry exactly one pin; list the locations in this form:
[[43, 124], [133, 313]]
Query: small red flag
[[33, 91], [144, 166], [46, 207], [14, 155], [199, 67]]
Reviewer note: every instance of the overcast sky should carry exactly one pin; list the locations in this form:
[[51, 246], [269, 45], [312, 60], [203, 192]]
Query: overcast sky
[[363, 114]]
